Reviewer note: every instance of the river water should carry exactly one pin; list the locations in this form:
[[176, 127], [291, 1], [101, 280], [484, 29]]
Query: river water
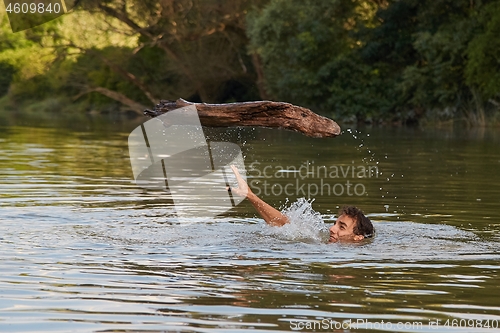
[[84, 249]]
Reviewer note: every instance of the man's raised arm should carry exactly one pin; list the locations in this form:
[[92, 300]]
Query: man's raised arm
[[271, 215]]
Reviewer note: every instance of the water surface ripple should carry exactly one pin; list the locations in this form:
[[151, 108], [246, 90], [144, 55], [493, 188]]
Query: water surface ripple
[[82, 249]]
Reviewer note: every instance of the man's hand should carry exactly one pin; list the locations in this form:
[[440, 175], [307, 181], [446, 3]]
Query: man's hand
[[269, 214], [242, 190]]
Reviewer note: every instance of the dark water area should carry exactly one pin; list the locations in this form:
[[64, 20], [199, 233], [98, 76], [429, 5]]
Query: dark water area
[[84, 249]]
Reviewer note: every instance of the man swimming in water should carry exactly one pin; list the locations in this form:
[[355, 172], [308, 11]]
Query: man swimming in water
[[351, 225]]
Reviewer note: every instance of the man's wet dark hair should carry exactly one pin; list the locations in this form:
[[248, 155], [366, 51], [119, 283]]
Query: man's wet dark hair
[[363, 224]]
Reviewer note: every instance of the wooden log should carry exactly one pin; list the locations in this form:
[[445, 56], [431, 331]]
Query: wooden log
[[260, 113]]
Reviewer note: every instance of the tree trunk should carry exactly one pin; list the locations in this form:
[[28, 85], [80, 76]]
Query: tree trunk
[[133, 105], [260, 113], [257, 64]]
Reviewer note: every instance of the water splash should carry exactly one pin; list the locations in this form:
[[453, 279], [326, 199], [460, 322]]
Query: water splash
[[305, 224], [372, 158], [357, 135]]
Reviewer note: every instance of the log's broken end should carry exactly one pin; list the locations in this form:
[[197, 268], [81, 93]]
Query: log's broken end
[[163, 107], [259, 113]]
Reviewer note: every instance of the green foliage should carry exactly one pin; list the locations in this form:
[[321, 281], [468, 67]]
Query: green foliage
[[356, 88], [6, 74], [483, 53], [436, 80], [91, 70], [9, 40], [32, 89], [403, 58], [203, 44], [312, 55], [362, 59]]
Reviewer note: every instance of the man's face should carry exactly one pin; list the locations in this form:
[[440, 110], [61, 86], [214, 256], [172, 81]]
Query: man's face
[[343, 230]]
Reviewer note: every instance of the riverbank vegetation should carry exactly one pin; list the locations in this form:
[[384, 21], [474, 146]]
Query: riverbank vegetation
[[406, 61]]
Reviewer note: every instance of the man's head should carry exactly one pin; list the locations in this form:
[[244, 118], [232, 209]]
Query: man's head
[[351, 225]]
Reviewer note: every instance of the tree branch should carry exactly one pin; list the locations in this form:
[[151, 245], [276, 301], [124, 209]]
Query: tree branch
[[260, 113], [133, 105]]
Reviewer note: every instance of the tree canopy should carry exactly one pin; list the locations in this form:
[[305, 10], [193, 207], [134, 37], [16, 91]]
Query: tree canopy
[[364, 60]]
